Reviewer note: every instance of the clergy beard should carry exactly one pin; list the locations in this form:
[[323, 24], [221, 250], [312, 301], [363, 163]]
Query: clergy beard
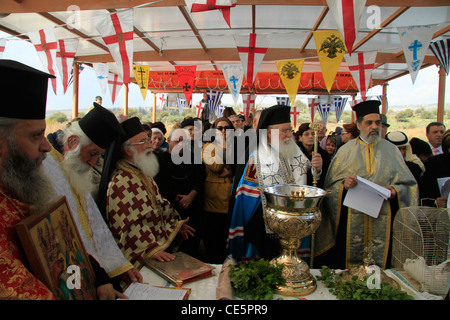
[[371, 138], [147, 162], [288, 148], [26, 179], [79, 173]]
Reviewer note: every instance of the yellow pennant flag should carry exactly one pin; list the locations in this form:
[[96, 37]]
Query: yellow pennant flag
[[330, 49], [290, 72], [141, 74]]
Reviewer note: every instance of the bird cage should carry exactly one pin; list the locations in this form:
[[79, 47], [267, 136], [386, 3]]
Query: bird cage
[[420, 248]]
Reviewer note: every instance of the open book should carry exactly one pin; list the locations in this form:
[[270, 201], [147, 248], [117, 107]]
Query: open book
[[367, 197], [140, 291]]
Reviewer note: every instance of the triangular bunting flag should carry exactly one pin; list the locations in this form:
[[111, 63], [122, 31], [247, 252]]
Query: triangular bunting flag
[[290, 72], [2, 47], [115, 84], [249, 104], [162, 100], [294, 115], [101, 71], [116, 30], [214, 98], [199, 109], [284, 101], [181, 103], [441, 50], [415, 42], [313, 103], [46, 46], [361, 66], [324, 109], [330, 49], [234, 75], [347, 14], [141, 74], [251, 49], [80, 68], [65, 55], [222, 5], [339, 105], [220, 111], [186, 77]]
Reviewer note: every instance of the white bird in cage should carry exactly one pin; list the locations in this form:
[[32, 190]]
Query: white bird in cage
[[432, 278]]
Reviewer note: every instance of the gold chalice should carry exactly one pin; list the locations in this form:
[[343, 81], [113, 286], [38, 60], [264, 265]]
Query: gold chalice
[[292, 212]]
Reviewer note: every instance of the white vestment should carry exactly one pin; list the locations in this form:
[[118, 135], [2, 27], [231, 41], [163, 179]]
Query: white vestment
[[94, 232]]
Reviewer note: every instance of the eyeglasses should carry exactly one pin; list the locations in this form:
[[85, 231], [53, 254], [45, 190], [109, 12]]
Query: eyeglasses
[[220, 128], [144, 141], [343, 132]]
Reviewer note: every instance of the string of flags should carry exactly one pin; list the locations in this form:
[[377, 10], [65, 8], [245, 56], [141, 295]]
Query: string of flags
[[116, 29]]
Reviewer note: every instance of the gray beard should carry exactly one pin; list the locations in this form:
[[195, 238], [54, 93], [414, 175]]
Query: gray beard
[[26, 180], [371, 138], [289, 149], [147, 162], [80, 174]]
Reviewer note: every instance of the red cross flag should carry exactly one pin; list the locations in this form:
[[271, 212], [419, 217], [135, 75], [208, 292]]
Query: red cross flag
[[186, 78], [347, 14], [117, 32], [252, 49], [361, 66], [206, 5], [162, 99], [64, 58], [313, 103], [249, 104], [115, 84], [294, 115], [45, 43], [199, 109], [2, 47]]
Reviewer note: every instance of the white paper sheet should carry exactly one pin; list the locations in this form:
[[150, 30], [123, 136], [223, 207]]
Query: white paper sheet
[[139, 291], [366, 197]]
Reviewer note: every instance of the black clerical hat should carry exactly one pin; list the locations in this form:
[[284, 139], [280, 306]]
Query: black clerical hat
[[101, 126], [26, 86], [367, 107], [274, 115], [131, 127]]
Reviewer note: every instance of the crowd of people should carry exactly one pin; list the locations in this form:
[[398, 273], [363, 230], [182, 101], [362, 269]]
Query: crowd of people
[[138, 192]]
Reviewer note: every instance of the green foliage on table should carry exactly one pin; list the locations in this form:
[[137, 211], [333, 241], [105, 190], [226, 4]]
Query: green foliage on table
[[356, 289], [256, 279]]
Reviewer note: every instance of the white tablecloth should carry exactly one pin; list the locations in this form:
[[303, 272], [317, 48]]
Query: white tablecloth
[[205, 289]]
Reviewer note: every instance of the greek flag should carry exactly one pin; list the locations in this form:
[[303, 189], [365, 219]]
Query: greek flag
[[283, 101], [441, 50], [181, 104], [220, 111], [339, 105], [324, 109], [214, 98], [81, 68]]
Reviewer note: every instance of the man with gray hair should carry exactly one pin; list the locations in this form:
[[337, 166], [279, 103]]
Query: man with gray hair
[[24, 185], [77, 151]]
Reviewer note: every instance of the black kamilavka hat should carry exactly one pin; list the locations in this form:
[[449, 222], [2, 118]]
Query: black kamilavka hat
[[274, 115], [101, 126], [367, 107], [27, 86], [131, 127]]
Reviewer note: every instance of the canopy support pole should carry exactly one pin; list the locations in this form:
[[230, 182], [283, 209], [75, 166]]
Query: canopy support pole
[[154, 108], [441, 95], [76, 72], [125, 101], [384, 99]]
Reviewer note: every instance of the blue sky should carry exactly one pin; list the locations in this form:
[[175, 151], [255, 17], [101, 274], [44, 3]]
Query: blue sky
[[401, 91]]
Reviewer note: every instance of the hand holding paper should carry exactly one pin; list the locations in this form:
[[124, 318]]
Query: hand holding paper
[[365, 196]]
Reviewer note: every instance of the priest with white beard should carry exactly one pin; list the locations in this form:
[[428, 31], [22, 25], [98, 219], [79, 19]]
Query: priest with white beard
[[143, 222], [277, 160], [70, 163]]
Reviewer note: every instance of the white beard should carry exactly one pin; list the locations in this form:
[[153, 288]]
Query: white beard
[[288, 148], [80, 174], [147, 162]]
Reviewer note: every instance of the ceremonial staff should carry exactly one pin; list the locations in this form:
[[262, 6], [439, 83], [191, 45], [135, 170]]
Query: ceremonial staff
[[316, 127]]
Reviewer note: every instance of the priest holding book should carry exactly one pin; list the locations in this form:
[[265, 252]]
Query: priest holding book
[[344, 232]]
